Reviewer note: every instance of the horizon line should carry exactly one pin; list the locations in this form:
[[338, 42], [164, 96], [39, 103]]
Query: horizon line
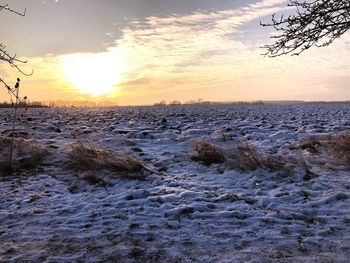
[[91, 103]]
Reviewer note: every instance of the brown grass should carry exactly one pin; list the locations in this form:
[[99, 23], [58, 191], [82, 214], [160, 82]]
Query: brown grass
[[311, 144], [207, 153], [339, 146], [85, 156], [336, 146], [27, 155], [244, 157]]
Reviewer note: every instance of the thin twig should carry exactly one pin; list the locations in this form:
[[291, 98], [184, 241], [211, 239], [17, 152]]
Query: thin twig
[[7, 8], [315, 23]]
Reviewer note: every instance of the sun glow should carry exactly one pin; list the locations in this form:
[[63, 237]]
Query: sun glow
[[93, 74]]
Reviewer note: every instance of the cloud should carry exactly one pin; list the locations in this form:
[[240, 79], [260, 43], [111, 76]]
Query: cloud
[[215, 54], [182, 45]]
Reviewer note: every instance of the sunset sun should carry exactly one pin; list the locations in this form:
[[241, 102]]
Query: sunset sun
[[93, 74]]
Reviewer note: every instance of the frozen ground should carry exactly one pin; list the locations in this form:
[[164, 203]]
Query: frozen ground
[[184, 211]]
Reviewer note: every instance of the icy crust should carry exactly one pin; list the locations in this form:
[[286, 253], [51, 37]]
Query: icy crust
[[184, 211]]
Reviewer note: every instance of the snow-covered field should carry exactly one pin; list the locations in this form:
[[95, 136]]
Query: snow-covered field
[[183, 211]]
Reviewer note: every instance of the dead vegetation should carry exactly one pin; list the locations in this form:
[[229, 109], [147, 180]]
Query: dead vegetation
[[311, 144], [243, 157], [27, 155], [340, 147], [246, 157], [335, 146], [207, 153], [88, 157]]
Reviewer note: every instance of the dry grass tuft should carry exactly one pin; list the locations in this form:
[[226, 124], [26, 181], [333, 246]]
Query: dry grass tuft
[[281, 164], [94, 179], [311, 144], [85, 156], [244, 157], [27, 155], [338, 146], [207, 153]]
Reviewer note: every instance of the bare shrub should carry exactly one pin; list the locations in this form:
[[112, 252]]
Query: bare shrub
[[85, 156], [207, 153], [26, 155]]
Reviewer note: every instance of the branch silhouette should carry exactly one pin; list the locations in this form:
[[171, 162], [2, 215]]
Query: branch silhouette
[[5, 56], [6, 7], [315, 23]]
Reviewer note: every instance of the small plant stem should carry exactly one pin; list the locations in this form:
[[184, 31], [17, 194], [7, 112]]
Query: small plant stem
[[13, 127]]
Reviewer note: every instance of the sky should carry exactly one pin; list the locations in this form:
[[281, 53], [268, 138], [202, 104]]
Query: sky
[[139, 52]]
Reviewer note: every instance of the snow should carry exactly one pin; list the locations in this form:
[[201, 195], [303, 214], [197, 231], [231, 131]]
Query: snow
[[184, 211]]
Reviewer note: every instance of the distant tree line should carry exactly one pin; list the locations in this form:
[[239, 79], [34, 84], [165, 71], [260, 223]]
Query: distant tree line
[[23, 104], [58, 104], [79, 104], [204, 102], [178, 103]]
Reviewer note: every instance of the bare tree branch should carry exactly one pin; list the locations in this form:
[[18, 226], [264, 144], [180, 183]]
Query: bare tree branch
[[12, 60], [6, 7], [315, 23]]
